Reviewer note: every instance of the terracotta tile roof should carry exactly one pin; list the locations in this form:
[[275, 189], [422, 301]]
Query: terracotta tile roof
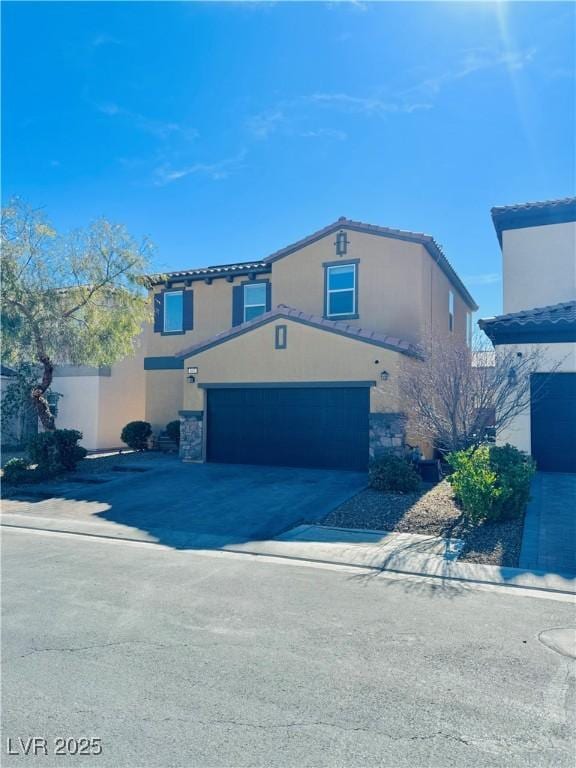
[[241, 268], [553, 313], [555, 317], [541, 205], [282, 311], [534, 214]]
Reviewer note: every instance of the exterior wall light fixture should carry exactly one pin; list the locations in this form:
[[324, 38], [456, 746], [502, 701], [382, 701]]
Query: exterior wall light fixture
[[512, 377], [192, 371], [384, 376]]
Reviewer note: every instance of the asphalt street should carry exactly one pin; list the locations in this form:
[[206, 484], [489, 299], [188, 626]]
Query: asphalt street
[[178, 658]]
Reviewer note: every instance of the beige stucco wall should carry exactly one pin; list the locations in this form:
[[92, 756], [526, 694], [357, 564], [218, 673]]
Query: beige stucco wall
[[164, 397], [121, 399], [539, 266], [100, 406], [561, 355], [401, 292], [311, 355]]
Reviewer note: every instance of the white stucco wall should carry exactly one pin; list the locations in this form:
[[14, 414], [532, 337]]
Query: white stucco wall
[[539, 266], [561, 355], [78, 406]]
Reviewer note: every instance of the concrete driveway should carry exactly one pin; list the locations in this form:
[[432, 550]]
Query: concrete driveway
[[194, 505]]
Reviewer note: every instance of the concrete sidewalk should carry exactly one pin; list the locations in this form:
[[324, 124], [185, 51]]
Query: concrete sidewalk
[[376, 550]]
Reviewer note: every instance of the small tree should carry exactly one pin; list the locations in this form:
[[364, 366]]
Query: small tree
[[451, 401], [76, 299]]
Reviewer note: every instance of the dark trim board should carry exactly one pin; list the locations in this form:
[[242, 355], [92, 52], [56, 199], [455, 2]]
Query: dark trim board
[[62, 371], [191, 414], [533, 335], [558, 212], [167, 363], [288, 385]]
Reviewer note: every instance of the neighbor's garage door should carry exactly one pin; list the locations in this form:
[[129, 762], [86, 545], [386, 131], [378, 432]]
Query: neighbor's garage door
[[292, 427], [553, 421]]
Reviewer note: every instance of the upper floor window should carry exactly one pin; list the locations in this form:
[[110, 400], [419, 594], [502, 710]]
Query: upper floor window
[[173, 311], [469, 328], [254, 300], [341, 290], [450, 310]]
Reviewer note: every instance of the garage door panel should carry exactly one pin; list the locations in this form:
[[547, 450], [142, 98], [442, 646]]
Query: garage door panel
[[315, 427], [553, 421]]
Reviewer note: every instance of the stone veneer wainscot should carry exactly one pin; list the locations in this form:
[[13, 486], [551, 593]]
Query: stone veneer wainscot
[[191, 435]]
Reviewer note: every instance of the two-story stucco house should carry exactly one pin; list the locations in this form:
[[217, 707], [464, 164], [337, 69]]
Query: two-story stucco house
[[294, 360], [538, 242]]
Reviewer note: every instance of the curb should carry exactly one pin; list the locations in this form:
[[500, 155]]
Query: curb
[[425, 567]]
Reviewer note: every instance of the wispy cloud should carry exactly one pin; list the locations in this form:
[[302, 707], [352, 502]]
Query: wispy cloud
[[486, 278], [104, 39], [324, 133], [367, 105], [261, 126], [158, 128], [473, 61], [217, 171]]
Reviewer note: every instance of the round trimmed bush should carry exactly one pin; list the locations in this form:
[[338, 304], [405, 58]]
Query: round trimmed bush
[[136, 434], [173, 431], [393, 473]]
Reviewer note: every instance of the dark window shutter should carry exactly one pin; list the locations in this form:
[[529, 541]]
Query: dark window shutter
[[158, 312], [188, 302], [237, 304], [268, 296]]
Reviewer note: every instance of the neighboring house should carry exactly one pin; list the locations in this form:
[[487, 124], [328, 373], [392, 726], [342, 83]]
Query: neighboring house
[[294, 360], [100, 401], [17, 428], [538, 242]]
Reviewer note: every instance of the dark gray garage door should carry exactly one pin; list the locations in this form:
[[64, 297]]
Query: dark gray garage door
[[553, 421], [293, 427]]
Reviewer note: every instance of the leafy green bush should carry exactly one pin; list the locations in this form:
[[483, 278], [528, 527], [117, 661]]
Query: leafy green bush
[[490, 482], [15, 471], [56, 451], [136, 434], [393, 473], [173, 431], [514, 470]]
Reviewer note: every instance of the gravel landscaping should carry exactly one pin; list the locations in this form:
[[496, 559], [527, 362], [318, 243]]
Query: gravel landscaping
[[99, 467], [434, 512]]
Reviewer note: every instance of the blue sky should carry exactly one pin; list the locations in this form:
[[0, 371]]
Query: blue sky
[[226, 131]]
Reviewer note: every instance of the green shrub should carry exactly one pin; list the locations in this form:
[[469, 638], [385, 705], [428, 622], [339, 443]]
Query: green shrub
[[491, 483], [393, 473], [514, 470], [135, 434], [15, 471], [173, 431], [56, 451]]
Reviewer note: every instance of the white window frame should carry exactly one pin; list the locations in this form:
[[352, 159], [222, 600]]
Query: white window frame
[[251, 306], [469, 328], [451, 311], [330, 291], [181, 328]]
